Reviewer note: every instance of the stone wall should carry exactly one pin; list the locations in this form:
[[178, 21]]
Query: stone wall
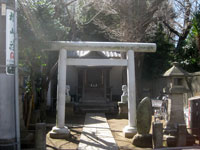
[[195, 84], [152, 88]]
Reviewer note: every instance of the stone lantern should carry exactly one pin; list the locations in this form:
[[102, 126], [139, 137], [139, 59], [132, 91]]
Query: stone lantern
[[176, 81]]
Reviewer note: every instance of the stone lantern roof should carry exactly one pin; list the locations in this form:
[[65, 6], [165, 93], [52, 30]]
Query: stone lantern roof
[[175, 71]]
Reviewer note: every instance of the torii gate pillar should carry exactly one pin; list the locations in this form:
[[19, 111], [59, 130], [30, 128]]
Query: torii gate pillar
[[130, 130], [60, 131]]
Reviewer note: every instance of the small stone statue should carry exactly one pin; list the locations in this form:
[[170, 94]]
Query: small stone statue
[[68, 97], [124, 96]]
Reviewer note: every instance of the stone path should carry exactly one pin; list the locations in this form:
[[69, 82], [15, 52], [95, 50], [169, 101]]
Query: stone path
[[96, 134]]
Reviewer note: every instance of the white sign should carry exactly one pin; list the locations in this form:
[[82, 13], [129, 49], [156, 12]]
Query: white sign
[[3, 9], [10, 41]]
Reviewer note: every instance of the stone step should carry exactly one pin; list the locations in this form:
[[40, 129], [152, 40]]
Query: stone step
[[99, 110], [96, 107], [96, 104], [93, 102], [100, 100]]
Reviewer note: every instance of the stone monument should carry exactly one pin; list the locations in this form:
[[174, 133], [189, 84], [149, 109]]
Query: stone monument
[[123, 104], [144, 111]]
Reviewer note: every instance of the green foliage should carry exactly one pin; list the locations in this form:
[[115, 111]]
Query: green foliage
[[188, 55], [156, 63], [38, 22], [196, 24], [37, 25]]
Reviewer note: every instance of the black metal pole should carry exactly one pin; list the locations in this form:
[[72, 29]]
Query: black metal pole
[[17, 116]]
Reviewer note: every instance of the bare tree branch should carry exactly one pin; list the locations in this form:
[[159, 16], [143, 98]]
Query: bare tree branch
[[171, 29]]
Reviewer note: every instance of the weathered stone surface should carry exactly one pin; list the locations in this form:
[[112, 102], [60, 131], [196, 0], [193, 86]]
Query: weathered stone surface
[[144, 140], [175, 111], [144, 111], [69, 110], [123, 110], [59, 133], [190, 140], [59, 136], [129, 132], [171, 140], [40, 136], [157, 135], [181, 135]]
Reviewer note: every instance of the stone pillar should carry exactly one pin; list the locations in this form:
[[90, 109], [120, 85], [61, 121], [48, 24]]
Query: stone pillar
[[61, 131], [181, 135], [130, 130], [157, 135], [40, 136], [175, 109]]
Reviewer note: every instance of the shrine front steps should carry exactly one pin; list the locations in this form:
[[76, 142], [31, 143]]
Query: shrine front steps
[[96, 106]]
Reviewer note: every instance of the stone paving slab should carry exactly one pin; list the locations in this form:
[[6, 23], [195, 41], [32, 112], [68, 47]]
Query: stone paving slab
[[96, 134]]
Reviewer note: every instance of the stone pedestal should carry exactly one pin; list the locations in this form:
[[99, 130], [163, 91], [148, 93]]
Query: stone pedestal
[[69, 110], [59, 133], [123, 110], [129, 132], [181, 135], [176, 115], [175, 111]]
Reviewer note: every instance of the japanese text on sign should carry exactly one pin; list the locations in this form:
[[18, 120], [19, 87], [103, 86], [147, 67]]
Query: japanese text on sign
[[10, 40]]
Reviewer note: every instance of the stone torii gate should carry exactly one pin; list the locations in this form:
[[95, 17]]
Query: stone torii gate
[[60, 130]]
